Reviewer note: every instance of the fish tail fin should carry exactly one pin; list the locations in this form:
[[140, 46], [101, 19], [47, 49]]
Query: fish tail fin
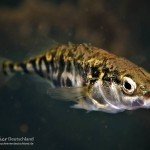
[[6, 70]]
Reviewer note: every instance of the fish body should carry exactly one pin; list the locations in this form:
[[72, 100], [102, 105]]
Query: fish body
[[107, 82]]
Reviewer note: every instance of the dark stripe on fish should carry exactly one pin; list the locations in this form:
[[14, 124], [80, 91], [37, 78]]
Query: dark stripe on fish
[[36, 70], [24, 67], [46, 63], [4, 66], [11, 67], [95, 74], [68, 83], [61, 69], [68, 66]]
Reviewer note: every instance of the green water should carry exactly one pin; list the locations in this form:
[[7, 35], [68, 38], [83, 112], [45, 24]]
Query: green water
[[56, 126], [28, 110]]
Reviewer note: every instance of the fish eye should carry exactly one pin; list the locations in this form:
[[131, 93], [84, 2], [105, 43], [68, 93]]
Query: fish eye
[[128, 85]]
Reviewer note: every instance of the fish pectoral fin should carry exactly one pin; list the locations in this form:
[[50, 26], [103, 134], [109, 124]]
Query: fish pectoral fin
[[66, 94], [81, 99]]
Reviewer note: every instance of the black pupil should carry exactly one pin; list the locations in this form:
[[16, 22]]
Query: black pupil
[[127, 85]]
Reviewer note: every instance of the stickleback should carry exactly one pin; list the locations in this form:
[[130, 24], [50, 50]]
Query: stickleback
[[105, 81]]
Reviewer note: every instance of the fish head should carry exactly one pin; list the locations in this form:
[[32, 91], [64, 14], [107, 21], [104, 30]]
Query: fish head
[[135, 87], [126, 88]]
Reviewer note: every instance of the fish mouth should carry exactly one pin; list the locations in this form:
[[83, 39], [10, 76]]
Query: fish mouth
[[137, 103], [132, 103], [140, 103]]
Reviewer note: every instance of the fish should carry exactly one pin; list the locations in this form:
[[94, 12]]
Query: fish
[[95, 79]]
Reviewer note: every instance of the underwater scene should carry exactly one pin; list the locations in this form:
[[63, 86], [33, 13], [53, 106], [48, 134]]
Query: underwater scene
[[34, 115]]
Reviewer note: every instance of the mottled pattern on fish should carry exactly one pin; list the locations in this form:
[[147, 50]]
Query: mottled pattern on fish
[[66, 65], [112, 83]]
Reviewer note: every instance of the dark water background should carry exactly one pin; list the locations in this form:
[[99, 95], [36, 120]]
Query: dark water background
[[26, 110]]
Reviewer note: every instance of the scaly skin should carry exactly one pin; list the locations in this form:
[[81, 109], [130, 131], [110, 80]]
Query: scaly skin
[[85, 65], [109, 65]]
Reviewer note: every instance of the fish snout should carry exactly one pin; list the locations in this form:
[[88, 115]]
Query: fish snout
[[138, 103]]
